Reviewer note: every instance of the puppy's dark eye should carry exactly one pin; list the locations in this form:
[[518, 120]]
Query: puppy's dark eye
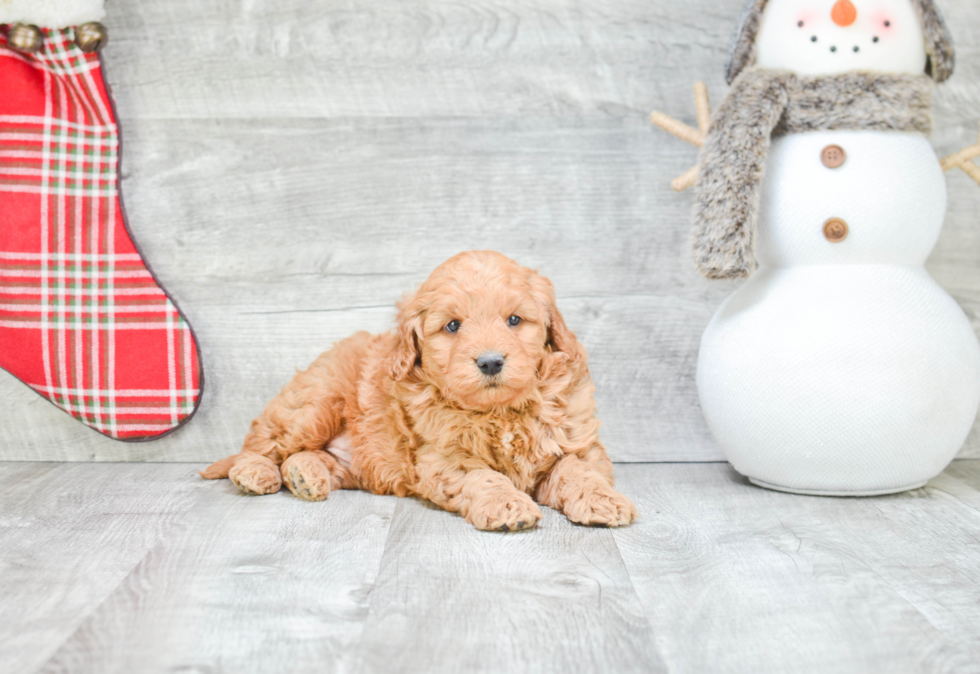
[[452, 327], [514, 321]]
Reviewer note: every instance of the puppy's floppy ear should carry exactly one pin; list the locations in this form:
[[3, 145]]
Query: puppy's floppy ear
[[407, 352], [560, 338]]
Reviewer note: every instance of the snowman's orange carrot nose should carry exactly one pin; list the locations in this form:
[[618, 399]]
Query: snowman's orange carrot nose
[[844, 13]]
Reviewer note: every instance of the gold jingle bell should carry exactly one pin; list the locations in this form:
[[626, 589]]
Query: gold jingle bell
[[25, 38], [91, 37]]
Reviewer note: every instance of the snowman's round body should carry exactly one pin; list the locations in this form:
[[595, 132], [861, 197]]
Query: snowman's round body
[[841, 366]]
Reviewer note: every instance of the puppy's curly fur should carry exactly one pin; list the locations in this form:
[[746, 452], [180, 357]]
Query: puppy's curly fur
[[411, 413]]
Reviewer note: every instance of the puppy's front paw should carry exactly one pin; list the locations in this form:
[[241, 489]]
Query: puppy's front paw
[[509, 510], [255, 474], [307, 476], [601, 507]]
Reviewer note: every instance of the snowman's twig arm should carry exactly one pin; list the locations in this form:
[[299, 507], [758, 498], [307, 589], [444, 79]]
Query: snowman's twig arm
[[964, 160], [687, 133], [683, 182], [963, 156], [679, 129], [971, 170], [703, 105]]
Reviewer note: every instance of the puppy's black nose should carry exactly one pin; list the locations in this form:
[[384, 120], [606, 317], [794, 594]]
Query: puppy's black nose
[[490, 363]]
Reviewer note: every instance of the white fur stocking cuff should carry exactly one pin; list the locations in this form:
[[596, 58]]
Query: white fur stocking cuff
[[51, 13]]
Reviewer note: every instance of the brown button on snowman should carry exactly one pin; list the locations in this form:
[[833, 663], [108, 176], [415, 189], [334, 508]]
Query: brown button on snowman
[[840, 366], [833, 156]]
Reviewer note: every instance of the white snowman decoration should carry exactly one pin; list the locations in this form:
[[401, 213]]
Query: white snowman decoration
[[840, 367]]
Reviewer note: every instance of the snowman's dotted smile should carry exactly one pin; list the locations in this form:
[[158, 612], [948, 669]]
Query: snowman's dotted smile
[[857, 49], [833, 48]]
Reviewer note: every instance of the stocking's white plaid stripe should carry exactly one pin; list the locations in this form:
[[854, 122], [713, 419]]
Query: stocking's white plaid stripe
[[36, 290], [79, 309], [108, 328], [84, 290], [35, 119], [119, 274]]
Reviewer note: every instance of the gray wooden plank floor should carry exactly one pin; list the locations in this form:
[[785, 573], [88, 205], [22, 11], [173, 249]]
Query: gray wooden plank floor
[[144, 567], [290, 168]]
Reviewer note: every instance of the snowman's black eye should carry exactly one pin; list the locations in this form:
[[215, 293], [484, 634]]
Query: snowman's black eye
[[800, 24], [833, 49], [857, 49], [813, 39], [875, 39], [888, 24], [452, 327]]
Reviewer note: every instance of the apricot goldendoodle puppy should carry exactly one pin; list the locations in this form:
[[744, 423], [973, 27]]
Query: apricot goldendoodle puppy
[[480, 398]]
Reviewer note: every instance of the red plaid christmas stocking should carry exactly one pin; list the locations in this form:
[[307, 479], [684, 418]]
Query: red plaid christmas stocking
[[82, 320]]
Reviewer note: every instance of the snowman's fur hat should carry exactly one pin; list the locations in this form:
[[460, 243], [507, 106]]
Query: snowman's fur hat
[[939, 41]]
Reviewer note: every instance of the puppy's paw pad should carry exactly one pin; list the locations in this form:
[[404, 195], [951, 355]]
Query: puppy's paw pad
[[505, 512], [606, 508], [307, 477], [253, 477]]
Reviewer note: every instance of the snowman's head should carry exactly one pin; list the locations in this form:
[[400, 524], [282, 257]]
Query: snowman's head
[[828, 37]]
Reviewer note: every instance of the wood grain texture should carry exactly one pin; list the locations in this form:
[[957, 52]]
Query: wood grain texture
[[108, 578], [553, 599], [399, 58], [144, 567], [770, 582], [69, 535], [291, 168]]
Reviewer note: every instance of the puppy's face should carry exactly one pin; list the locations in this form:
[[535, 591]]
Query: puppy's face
[[482, 342], [478, 329]]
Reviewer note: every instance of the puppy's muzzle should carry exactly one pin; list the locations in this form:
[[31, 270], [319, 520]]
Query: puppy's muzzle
[[490, 363]]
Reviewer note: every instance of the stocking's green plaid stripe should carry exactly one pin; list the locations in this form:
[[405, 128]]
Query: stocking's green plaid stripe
[[124, 292], [27, 164], [73, 266], [86, 302], [159, 407], [76, 318], [101, 322], [87, 297], [68, 184]]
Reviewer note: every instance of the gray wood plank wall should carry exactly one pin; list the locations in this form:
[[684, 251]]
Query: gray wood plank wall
[[291, 167]]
